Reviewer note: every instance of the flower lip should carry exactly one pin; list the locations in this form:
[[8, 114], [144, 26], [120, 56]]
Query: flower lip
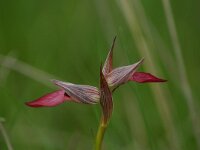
[[143, 77], [50, 100]]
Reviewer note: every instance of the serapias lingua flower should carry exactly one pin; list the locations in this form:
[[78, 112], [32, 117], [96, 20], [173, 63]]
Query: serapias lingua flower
[[89, 94], [118, 76]]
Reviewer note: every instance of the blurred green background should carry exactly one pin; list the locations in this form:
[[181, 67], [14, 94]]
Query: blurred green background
[[68, 40]]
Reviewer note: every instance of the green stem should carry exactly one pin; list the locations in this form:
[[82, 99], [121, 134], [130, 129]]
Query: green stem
[[100, 134], [5, 135]]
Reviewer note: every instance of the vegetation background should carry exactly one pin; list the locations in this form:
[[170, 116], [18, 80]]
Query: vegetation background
[[68, 40]]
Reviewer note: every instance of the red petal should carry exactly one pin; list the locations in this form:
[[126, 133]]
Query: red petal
[[143, 77], [49, 100]]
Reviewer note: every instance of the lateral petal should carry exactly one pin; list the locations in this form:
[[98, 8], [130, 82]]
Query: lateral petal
[[49, 100], [80, 93], [143, 77]]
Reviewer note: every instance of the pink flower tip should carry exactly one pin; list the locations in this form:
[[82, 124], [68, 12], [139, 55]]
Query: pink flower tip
[[143, 77], [49, 100]]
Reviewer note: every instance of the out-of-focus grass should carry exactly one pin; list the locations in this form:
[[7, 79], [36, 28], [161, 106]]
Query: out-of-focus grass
[[69, 40]]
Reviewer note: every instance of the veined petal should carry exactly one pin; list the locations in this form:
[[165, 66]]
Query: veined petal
[[80, 93], [50, 100], [105, 99], [121, 75], [107, 68], [143, 77]]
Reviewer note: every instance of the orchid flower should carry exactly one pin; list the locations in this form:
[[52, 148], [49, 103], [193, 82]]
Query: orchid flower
[[118, 76], [89, 94]]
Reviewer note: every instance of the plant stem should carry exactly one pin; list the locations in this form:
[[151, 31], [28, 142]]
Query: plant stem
[[100, 134], [186, 87], [5, 136]]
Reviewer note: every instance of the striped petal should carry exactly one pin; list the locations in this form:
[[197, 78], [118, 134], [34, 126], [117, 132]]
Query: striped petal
[[106, 99], [107, 68], [50, 100], [80, 93], [143, 77], [121, 75]]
